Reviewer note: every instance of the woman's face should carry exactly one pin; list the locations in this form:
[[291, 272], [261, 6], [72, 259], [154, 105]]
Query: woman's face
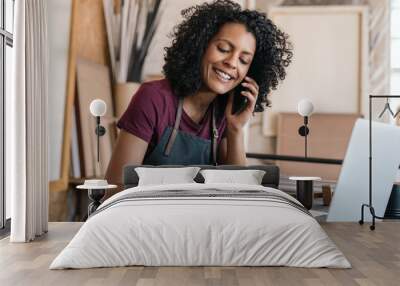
[[228, 58]]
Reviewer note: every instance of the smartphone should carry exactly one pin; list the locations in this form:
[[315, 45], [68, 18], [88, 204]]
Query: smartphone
[[239, 100]]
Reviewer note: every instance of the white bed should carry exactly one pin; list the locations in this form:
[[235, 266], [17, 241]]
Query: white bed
[[222, 225]]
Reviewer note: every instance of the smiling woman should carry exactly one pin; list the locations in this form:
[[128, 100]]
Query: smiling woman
[[187, 117]]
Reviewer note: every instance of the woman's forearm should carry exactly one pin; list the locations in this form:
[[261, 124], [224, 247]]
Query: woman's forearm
[[236, 154], [112, 178]]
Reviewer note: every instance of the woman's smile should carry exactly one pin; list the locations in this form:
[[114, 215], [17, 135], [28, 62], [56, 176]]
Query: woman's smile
[[223, 76]]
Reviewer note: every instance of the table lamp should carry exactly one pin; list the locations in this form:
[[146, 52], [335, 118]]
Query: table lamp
[[305, 108], [98, 108], [97, 187]]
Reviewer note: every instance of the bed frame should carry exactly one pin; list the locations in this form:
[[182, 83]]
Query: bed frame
[[270, 179]]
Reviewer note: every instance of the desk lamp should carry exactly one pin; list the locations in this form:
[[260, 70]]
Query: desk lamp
[[305, 108], [98, 108]]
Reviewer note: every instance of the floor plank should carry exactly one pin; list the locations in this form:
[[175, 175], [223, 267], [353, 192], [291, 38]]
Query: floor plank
[[374, 255]]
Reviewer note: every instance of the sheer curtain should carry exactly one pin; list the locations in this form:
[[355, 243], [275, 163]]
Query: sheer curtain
[[26, 118]]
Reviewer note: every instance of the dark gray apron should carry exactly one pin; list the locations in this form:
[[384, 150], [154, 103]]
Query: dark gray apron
[[180, 148]]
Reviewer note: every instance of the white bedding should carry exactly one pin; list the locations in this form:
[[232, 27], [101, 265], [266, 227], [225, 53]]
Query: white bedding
[[182, 231]]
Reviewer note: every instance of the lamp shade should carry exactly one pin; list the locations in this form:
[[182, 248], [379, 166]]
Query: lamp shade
[[98, 107], [305, 107]]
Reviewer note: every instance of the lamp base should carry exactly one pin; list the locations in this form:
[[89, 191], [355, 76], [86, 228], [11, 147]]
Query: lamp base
[[95, 195]]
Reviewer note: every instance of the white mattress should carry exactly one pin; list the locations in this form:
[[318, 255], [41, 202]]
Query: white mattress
[[183, 231]]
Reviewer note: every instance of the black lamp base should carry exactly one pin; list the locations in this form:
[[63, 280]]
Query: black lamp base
[[304, 193], [95, 196]]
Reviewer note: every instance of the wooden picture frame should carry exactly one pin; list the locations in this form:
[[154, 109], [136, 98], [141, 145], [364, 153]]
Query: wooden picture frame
[[330, 62]]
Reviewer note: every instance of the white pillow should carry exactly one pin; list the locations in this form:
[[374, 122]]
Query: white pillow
[[248, 177], [163, 176]]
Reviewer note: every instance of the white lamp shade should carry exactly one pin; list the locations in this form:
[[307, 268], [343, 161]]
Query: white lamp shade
[[305, 107], [98, 107]]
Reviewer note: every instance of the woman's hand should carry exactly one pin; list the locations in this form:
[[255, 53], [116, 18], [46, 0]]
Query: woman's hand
[[235, 122]]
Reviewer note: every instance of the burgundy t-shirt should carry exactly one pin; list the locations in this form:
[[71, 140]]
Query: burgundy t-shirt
[[153, 108]]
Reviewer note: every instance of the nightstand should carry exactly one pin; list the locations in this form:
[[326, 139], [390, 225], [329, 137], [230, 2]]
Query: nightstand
[[304, 190]]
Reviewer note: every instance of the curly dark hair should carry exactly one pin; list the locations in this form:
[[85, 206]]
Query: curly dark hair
[[201, 22]]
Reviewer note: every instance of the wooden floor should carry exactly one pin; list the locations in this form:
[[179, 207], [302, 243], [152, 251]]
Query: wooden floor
[[374, 255]]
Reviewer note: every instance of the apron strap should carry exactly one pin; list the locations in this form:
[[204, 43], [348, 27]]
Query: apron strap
[[214, 132], [172, 137], [214, 137]]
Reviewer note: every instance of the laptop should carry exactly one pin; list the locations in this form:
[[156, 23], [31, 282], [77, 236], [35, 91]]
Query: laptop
[[352, 188]]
